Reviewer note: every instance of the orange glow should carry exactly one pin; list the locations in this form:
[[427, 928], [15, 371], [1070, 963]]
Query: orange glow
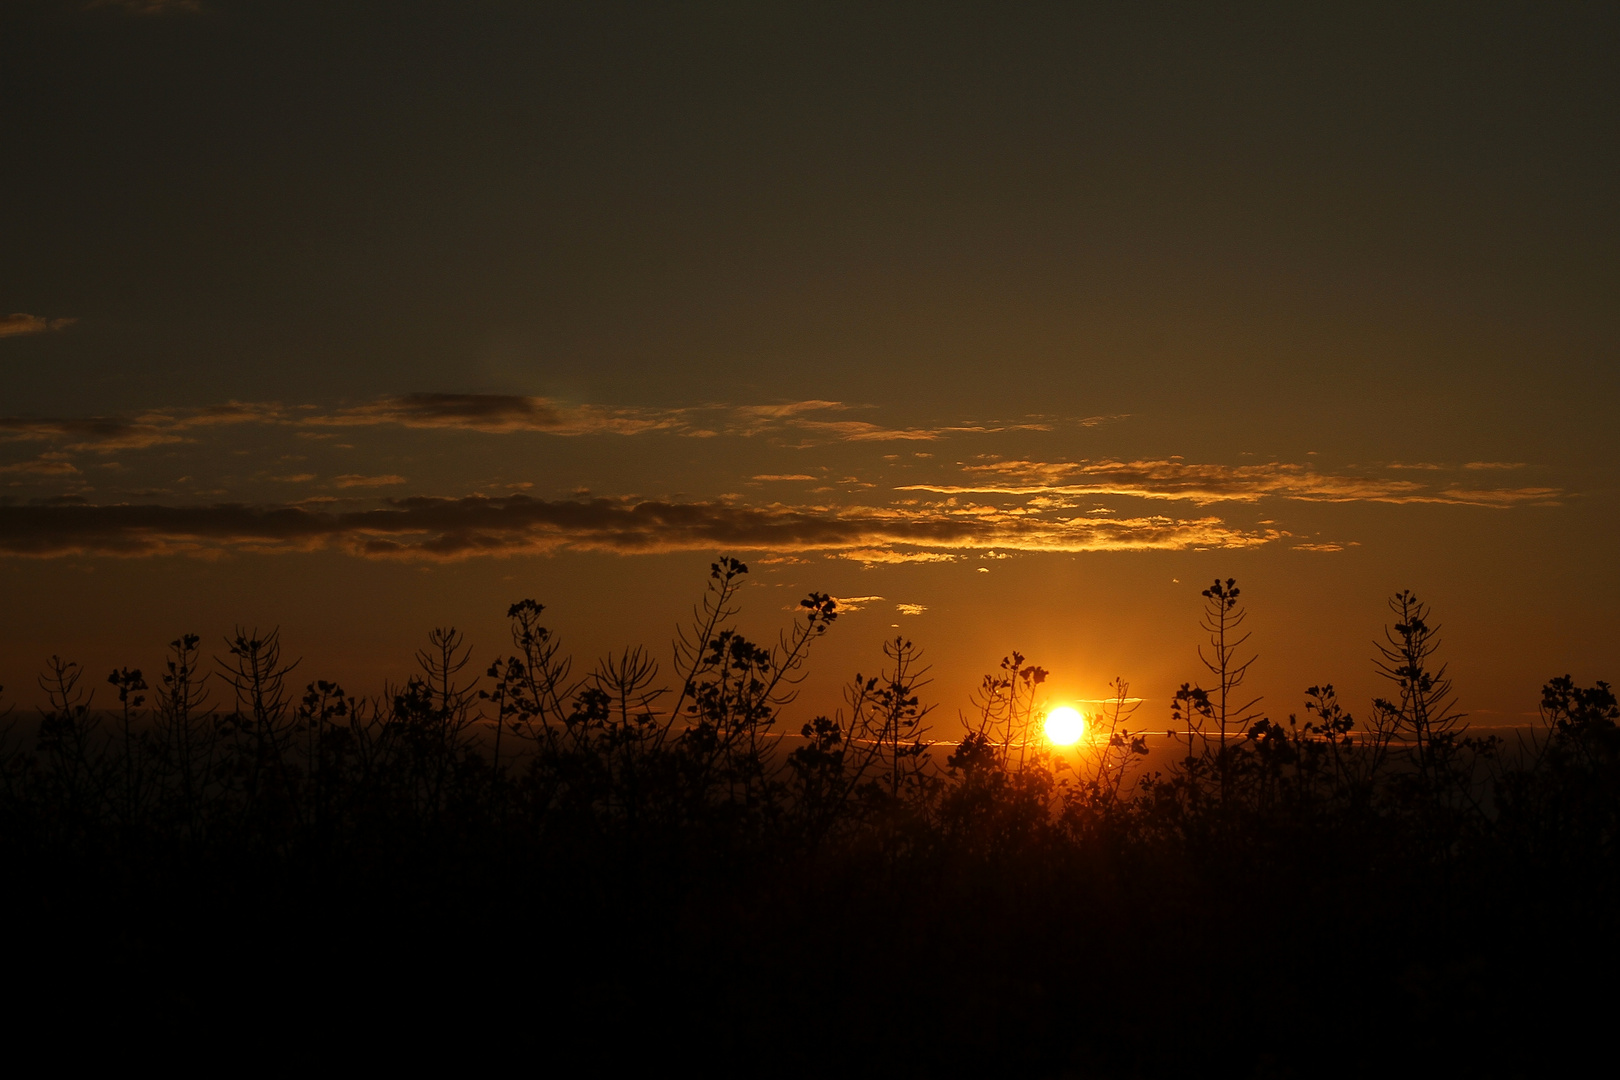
[[1064, 726]]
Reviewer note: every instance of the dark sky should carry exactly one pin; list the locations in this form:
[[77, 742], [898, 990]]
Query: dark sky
[[1327, 296]]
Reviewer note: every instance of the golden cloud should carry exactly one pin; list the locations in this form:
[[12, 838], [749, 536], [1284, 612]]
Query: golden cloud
[[443, 528], [1178, 480]]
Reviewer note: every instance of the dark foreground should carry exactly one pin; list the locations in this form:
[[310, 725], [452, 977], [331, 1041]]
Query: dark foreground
[[595, 875]]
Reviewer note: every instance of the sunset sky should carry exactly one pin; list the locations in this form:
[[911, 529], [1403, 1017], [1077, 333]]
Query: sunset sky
[[1015, 325]]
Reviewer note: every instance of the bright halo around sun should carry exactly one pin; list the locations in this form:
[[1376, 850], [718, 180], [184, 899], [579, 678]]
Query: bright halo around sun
[[1064, 726]]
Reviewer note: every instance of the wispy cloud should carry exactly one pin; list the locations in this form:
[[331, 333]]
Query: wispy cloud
[[18, 323], [889, 557], [89, 433], [44, 465], [1203, 484], [851, 604], [354, 480], [788, 410], [810, 419], [441, 528], [497, 414], [156, 428]]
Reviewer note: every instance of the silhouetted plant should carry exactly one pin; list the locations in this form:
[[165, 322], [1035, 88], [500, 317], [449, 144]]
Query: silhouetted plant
[[1114, 747], [1191, 712], [1556, 804], [1424, 715], [185, 736], [1232, 715], [873, 749], [631, 733], [131, 696], [1006, 714], [895, 722], [1318, 766], [71, 744], [323, 716]]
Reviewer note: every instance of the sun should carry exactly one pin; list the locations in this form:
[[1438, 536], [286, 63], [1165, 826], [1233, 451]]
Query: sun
[[1064, 726]]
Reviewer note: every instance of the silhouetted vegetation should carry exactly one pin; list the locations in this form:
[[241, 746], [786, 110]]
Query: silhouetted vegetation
[[605, 864]]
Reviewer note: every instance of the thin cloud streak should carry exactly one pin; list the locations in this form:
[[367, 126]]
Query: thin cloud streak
[[1203, 484], [44, 465], [354, 480], [496, 414], [869, 557], [447, 529], [105, 434]]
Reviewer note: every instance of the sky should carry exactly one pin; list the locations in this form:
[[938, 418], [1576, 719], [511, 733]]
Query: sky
[[1010, 326]]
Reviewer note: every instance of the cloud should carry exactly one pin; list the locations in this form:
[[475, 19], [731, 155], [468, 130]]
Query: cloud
[[353, 480], [790, 409], [499, 413], [96, 433], [797, 417], [1178, 480], [1493, 497], [17, 324], [911, 609], [861, 431], [232, 412], [488, 413], [502, 413], [851, 604], [44, 465], [445, 528], [105, 434], [794, 476], [887, 557]]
